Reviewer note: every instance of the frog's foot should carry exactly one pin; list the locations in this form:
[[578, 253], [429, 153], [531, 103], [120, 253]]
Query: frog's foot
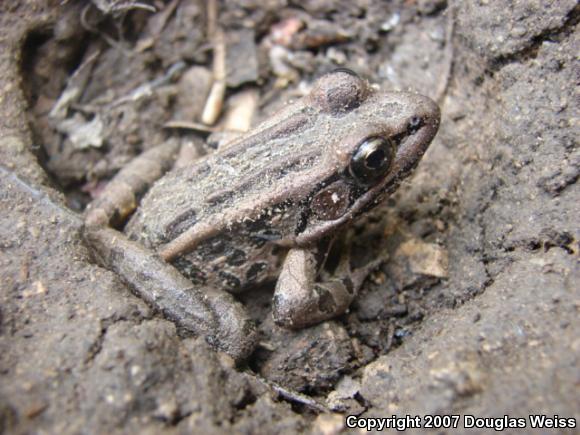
[[300, 301], [210, 313]]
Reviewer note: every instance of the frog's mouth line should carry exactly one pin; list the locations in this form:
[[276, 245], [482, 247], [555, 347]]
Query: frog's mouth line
[[411, 150]]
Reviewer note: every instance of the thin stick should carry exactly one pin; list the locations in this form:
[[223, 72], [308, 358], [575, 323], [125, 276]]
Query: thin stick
[[215, 99], [188, 125], [289, 395]]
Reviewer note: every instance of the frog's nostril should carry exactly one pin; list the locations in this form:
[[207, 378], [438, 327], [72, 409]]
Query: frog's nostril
[[415, 123]]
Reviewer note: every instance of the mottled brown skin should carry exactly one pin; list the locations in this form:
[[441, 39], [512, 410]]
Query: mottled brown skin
[[272, 200]]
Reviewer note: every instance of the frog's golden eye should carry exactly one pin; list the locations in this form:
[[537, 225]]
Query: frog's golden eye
[[373, 158]]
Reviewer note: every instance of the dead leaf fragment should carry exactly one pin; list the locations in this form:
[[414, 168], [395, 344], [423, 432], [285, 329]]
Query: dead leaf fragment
[[425, 258]]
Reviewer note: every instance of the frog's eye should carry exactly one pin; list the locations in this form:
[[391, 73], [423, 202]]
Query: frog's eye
[[373, 158]]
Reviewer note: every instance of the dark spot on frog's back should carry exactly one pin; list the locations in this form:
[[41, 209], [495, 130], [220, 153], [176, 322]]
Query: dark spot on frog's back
[[260, 231], [255, 270], [214, 247], [302, 221], [194, 273], [230, 281], [236, 257], [260, 238], [348, 285], [180, 224]]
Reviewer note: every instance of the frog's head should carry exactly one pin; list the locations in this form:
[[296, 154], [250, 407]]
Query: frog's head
[[381, 139]]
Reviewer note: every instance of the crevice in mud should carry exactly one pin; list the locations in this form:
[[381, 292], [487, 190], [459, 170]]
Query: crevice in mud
[[46, 65], [547, 239], [529, 52], [30, 48], [97, 345], [484, 254], [176, 419], [29, 51]]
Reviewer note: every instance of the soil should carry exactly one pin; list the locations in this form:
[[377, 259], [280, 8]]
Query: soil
[[476, 310]]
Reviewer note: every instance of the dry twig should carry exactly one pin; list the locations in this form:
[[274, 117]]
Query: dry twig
[[215, 99]]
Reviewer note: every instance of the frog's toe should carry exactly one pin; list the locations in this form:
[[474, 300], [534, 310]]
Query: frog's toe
[[235, 333], [322, 302]]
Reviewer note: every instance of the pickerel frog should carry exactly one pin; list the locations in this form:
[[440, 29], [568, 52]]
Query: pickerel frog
[[266, 206]]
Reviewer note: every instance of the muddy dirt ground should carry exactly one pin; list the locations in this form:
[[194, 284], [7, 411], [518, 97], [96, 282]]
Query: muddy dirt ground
[[476, 311]]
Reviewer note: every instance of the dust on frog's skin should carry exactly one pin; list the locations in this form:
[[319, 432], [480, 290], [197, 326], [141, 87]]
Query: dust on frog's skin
[[227, 221]]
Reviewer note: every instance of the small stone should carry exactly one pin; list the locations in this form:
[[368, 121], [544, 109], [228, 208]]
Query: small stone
[[377, 381], [167, 411], [391, 23], [425, 258], [328, 424], [281, 33], [519, 31]]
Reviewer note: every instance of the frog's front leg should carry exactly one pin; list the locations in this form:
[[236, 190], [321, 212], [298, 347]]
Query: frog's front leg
[[302, 299]]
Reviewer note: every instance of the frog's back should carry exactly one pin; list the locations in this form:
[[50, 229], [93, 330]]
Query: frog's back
[[256, 169], [243, 185]]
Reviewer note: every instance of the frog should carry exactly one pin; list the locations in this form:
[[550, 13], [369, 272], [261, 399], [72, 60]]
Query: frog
[[266, 207]]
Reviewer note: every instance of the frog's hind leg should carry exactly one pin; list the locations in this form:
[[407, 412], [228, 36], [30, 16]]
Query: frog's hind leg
[[205, 312], [120, 197]]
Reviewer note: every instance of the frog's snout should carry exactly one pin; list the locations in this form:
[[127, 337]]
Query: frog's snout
[[431, 114], [422, 117], [409, 117], [430, 117], [417, 131]]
